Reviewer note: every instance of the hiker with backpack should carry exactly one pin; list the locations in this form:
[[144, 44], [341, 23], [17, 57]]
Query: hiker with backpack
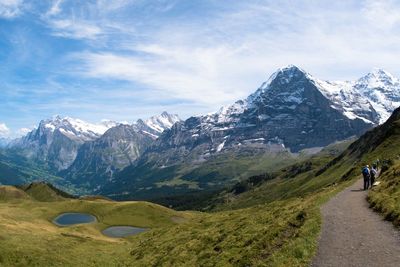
[[367, 175], [373, 174]]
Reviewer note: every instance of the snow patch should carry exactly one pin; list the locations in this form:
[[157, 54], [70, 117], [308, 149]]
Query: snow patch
[[221, 146]]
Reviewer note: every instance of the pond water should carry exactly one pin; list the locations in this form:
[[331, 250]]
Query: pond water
[[122, 231], [71, 218]]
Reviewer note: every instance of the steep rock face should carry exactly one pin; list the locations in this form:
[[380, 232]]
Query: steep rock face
[[56, 141], [98, 160], [290, 112]]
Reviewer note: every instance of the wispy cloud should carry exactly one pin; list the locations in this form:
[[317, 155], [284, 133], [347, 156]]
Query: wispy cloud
[[74, 29], [126, 59], [10, 8], [55, 8], [224, 57], [85, 20]]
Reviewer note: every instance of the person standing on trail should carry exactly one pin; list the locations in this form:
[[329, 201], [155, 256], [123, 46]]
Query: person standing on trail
[[373, 174], [367, 175]]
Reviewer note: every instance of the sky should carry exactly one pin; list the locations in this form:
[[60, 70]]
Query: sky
[[130, 59]]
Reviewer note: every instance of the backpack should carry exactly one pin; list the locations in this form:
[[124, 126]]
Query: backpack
[[365, 171], [373, 173]]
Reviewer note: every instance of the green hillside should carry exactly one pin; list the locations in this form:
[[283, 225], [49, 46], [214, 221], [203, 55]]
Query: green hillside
[[270, 219], [11, 194], [17, 170], [266, 233], [42, 191]]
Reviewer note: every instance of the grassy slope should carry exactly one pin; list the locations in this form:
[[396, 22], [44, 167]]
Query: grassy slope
[[28, 238], [148, 182], [260, 233], [280, 233], [275, 223], [385, 198]]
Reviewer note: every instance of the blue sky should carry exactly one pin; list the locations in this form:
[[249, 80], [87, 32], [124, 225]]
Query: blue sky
[[129, 59]]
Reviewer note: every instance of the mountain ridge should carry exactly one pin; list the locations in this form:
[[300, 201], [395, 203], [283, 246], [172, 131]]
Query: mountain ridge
[[290, 112], [56, 141]]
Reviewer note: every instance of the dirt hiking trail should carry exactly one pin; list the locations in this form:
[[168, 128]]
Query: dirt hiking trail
[[354, 235]]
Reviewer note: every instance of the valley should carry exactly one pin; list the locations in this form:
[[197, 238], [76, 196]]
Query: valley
[[270, 220], [290, 117]]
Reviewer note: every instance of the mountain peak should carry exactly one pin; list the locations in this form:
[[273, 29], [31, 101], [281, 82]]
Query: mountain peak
[[291, 71], [75, 127], [291, 67], [285, 75], [165, 114], [56, 117], [380, 73], [377, 78], [162, 122]]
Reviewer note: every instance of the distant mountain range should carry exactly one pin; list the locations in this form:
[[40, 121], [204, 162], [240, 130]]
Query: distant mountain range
[[291, 112], [98, 160]]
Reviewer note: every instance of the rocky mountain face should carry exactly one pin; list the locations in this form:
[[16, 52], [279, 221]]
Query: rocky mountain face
[[291, 111], [56, 141], [98, 160]]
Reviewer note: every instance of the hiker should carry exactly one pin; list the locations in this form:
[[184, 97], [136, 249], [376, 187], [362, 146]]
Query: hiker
[[367, 175], [373, 174]]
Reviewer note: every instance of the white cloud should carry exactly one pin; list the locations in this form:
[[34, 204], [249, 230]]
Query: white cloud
[[209, 54], [224, 58], [4, 130], [74, 29], [55, 8], [83, 20], [384, 15], [10, 8], [22, 132], [180, 73]]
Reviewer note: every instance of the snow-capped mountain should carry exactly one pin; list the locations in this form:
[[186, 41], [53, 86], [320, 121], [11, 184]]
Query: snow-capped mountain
[[76, 128], [162, 122], [291, 111], [56, 141], [371, 98], [97, 160], [382, 90], [156, 125]]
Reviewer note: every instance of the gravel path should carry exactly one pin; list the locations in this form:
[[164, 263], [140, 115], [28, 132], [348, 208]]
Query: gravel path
[[354, 235]]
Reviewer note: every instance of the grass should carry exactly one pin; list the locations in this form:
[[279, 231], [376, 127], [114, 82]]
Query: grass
[[275, 223], [385, 198], [28, 237], [280, 233], [268, 230]]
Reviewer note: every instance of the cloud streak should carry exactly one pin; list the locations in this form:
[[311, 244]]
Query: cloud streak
[[10, 8], [225, 57]]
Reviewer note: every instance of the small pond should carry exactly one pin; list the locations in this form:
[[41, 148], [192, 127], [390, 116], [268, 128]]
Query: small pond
[[71, 218], [122, 231]]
